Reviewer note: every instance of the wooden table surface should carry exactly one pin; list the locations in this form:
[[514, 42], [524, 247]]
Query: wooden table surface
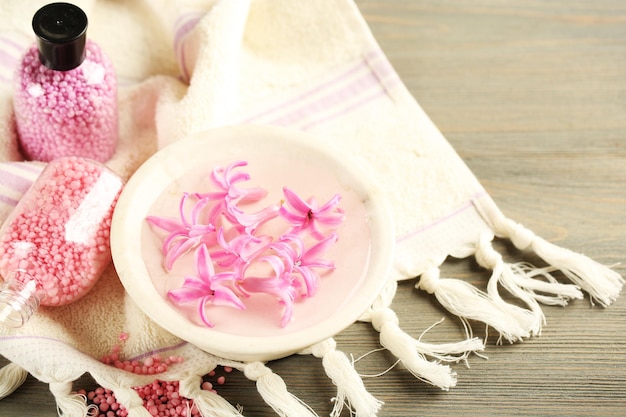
[[532, 95]]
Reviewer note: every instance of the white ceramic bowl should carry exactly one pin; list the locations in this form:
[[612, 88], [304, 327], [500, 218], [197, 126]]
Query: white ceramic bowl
[[276, 157]]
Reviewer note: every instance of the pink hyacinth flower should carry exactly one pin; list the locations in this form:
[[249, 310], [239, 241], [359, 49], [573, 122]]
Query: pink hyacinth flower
[[207, 287], [226, 180], [184, 234], [308, 215], [282, 285], [240, 251], [249, 223], [229, 194], [305, 260]]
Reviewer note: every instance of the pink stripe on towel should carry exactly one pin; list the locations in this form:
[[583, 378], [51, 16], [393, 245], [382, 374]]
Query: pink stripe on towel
[[13, 181], [334, 99], [184, 24], [370, 78], [8, 200], [311, 92]]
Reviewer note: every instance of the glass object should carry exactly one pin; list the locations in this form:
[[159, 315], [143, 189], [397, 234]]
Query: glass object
[[55, 243], [19, 299], [65, 90]]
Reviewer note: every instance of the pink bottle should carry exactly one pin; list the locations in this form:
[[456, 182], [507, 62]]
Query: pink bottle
[[65, 90], [55, 243]]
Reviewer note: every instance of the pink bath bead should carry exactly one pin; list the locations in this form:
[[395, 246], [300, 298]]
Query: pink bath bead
[[67, 113], [50, 235], [168, 403]]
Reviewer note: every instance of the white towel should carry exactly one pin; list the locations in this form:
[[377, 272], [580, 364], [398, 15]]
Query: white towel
[[186, 66]]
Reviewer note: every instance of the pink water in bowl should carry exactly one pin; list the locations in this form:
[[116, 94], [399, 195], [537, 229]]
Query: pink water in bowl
[[261, 317]]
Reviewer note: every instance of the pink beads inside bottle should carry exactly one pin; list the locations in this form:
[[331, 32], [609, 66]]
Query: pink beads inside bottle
[[58, 234], [67, 113]]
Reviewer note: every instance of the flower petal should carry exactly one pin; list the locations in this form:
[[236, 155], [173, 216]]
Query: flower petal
[[253, 221], [202, 311], [319, 248], [329, 205], [224, 296], [254, 194], [196, 211], [169, 224], [295, 201], [181, 209], [277, 264], [177, 250], [190, 291], [310, 278], [204, 264]]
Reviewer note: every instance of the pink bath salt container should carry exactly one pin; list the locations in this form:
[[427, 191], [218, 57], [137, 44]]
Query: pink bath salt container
[[55, 243], [65, 90]]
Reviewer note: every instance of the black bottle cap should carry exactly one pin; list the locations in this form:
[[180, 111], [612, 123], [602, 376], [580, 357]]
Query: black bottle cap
[[61, 30]]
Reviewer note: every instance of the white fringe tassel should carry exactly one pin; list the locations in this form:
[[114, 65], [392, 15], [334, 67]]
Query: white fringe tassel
[[403, 346], [451, 352], [350, 387], [12, 377], [411, 351], [274, 391], [520, 282], [69, 404], [603, 284], [464, 300], [529, 320], [208, 403], [549, 292]]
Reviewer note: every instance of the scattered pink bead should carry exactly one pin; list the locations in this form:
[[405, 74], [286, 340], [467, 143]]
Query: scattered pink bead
[[160, 398]]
